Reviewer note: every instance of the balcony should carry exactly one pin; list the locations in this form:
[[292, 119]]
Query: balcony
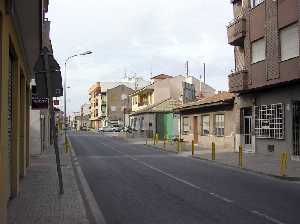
[[236, 32], [238, 81]]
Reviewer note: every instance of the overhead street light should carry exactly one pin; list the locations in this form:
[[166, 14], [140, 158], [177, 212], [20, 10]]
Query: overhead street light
[[65, 86]]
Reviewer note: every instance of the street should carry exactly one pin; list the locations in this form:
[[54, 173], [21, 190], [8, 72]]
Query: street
[[138, 184]]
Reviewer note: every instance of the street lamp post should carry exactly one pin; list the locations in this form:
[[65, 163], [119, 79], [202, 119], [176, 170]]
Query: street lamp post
[[65, 88]]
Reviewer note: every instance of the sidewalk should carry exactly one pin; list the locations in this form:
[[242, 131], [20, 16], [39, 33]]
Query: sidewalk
[[39, 201], [259, 163]]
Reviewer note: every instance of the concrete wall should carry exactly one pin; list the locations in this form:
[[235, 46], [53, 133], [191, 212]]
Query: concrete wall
[[285, 95], [147, 129], [24, 50]]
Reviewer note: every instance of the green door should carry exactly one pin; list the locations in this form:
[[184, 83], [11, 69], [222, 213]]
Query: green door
[[164, 125]]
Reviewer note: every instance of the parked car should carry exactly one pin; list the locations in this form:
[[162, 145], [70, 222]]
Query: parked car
[[107, 129], [117, 128]]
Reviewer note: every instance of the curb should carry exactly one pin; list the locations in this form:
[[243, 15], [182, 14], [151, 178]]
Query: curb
[[287, 178], [86, 192]]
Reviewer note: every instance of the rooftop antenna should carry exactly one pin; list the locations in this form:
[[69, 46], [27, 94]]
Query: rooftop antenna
[[125, 73], [204, 72]]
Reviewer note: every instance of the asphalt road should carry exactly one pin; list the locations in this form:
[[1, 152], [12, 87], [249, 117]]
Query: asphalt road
[[136, 184]]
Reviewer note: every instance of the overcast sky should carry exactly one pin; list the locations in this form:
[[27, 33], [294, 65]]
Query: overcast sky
[[138, 35]]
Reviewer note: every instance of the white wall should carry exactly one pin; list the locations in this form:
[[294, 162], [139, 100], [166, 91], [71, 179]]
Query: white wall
[[35, 132]]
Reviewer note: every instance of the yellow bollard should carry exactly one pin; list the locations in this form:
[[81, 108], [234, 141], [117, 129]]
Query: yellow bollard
[[213, 151], [156, 136], [241, 156], [193, 147], [283, 163], [178, 146], [153, 139], [165, 142]]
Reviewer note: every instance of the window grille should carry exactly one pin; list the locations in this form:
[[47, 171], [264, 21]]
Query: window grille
[[269, 121], [219, 124]]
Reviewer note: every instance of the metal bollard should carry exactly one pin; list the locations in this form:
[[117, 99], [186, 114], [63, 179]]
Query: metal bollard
[[193, 147], [213, 151], [241, 156], [147, 141], [283, 163], [165, 141], [153, 139]]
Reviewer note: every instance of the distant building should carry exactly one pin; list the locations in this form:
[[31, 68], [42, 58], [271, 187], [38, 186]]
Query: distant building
[[118, 104], [94, 92], [152, 106], [85, 116], [99, 102]]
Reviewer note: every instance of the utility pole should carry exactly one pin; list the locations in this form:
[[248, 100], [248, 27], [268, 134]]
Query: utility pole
[[187, 68]]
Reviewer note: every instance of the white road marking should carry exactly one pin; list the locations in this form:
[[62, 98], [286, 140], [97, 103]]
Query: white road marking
[[215, 195], [271, 219]]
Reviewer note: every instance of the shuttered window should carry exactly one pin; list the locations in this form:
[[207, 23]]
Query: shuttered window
[[258, 50], [205, 125], [289, 42], [186, 124], [220, 124]]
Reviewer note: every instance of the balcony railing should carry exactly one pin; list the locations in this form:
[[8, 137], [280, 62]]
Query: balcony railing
[[236, 31], [238, 80], [144, 103]]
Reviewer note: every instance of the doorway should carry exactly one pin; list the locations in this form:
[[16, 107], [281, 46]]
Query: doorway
[[195, 126], [296, 129], [247, 129]]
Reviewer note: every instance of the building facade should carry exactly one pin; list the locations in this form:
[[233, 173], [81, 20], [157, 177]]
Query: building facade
[[265, 36], [19, 52], [209, 120], [94, 92], [118, 104], [165, 91], [85, 122]]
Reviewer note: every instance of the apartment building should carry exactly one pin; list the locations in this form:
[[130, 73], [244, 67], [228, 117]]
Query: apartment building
[[19, 53], [85, 116], [99, 102], [95, 92], [265, 36]]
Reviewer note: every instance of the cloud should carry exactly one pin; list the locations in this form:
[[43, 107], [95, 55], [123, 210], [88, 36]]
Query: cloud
[[138, 35]]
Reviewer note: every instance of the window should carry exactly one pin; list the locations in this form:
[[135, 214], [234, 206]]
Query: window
[[258, 50], [269, 121], [255, 3], [289, 42], [186, 124], [219, 124], [205, 125]]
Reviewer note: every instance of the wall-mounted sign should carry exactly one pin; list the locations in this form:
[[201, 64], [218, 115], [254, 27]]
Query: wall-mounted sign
[[39, 103]]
